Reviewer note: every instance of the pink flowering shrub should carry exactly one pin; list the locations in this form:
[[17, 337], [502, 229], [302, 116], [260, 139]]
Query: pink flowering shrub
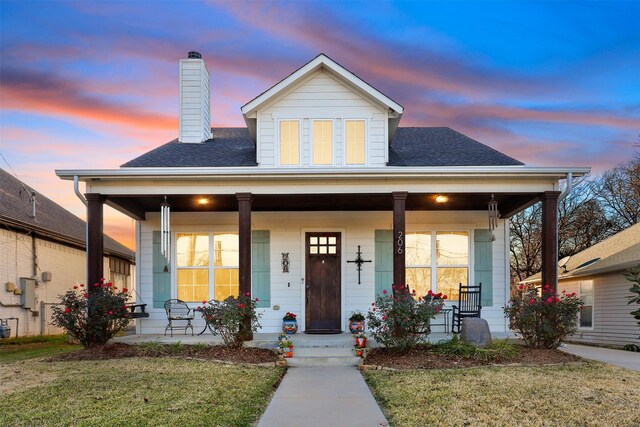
[[230, 318], [399, 322], [92, 320], [543, 319]]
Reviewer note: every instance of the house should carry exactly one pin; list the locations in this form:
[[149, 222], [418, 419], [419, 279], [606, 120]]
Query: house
[[42, 254], [596, 276], [321, 170]]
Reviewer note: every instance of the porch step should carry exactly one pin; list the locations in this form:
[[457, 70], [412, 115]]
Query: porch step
[[322, 361], [301, 351]]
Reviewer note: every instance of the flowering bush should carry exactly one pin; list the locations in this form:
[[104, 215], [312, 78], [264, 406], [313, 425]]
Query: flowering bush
[[289, 316], [231, 318], [399, 322], [92, 319], [543, 319]]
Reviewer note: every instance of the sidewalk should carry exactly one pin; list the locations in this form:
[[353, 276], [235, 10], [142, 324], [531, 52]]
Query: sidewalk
[[323, 396], [626, 359]]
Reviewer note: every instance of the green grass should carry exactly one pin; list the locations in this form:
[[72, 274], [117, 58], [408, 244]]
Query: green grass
[[24, 348], [134, 392], [498, 351], [593, 394]]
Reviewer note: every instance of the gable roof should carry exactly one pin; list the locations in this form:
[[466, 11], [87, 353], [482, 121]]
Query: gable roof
[[228, 147], [320, 61], [233, 147], [52, 220], [442, 146], [617, 253]]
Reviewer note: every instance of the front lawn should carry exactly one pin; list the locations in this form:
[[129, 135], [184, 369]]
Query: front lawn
[[134, 392], [592, 394], [23, 348]]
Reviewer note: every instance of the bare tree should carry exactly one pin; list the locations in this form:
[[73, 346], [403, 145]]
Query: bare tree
[[618, 192]]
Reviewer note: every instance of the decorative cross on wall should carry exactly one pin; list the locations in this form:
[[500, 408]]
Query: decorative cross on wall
[[359, 261]]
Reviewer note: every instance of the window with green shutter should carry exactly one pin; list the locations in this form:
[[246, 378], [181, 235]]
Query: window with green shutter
[[261, 268]]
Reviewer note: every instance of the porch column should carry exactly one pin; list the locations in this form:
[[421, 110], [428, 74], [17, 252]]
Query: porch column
[[244, 240], [399, 238], [95, 239], [550, 239]]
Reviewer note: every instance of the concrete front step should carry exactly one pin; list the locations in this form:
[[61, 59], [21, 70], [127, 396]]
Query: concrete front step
[[322, 361], [323, 351]]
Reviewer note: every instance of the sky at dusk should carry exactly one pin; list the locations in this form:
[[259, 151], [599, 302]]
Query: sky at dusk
[[95, 84]]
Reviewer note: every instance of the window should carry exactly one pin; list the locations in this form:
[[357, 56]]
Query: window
[[354, 142], [322, 142], [586, 295], [202, 257], [289, 142], [450, 263]]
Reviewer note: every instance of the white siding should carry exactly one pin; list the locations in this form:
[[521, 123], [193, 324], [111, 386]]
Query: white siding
[[66, 264], [613, 325], [195, 122], [287, 229], [322, 96]]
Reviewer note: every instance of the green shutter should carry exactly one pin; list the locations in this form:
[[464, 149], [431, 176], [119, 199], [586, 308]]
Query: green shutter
[[260, 268], [161, 278], [483, 264], [384, 260]]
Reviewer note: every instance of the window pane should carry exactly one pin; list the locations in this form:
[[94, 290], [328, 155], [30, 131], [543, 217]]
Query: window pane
[[225, 250], [418, 249], [323, 249], [419, 279], [227, 283], [193, 284], [452, 247], [313, 249], [322, 142], [192, 250], [586, 317], [448, 280], [332, 240], [313, 240], [354, 141], [332, 250], [289, 142]]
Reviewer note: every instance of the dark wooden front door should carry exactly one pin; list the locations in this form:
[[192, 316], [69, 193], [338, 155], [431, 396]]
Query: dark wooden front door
[[322, 283]]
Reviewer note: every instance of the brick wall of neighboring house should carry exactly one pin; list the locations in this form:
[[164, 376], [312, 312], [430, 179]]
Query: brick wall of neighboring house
[[66, 264]]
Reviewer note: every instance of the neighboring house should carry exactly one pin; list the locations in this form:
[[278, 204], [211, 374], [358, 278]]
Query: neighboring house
[[42, 255], [321, 170], [596, 275]]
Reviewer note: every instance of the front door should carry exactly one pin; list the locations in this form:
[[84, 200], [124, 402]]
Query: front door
[[322, 278]]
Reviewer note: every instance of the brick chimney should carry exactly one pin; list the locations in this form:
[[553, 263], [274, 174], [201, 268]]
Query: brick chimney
[[195, 94]]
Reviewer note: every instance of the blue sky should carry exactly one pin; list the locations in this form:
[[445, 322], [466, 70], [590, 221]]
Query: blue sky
[[94, 84]]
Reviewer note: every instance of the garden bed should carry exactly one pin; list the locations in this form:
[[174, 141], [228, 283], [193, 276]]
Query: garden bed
[[424, 357], [153, 349]]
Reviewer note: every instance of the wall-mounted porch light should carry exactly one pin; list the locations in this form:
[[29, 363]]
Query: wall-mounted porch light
[[441, 199], [203, 201]]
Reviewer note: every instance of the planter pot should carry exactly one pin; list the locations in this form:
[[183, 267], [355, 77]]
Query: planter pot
[[359, 352], [356, 326], [361, 342], [290, 327], [287, 352]]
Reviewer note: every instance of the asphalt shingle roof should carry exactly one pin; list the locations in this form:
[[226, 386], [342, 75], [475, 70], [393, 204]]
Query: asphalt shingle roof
[[51, 219], [442, 146], [228, 147], [412, 146]]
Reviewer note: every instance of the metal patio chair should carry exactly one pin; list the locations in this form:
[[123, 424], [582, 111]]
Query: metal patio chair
[[178, 311], [469, 298]]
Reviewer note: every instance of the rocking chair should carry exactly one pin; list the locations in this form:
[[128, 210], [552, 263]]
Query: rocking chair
[[469, 298], [178, 310]]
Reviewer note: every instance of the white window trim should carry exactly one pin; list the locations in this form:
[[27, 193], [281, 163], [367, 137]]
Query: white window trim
[[211, 268], [593, 305], [277, 141], [333, 142], [344, 142], [434, 266]]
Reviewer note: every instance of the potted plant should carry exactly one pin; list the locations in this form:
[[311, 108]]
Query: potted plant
[[289, 323], [361, 340], [359, 351], [356, 322], [286, 346]]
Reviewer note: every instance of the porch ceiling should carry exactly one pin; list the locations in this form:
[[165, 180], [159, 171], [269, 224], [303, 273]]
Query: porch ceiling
[[137, 205]]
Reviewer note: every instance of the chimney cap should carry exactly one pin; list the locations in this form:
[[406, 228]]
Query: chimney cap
[[194, 55]]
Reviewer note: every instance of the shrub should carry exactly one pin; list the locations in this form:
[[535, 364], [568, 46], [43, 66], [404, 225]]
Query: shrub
[[399, 322], [543, 319], [633, 275], [498, 351], [356, 317], [92, 320], [228, 317], [289, 316]]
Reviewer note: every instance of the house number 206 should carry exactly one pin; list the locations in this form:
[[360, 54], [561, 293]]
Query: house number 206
[[400, 242]]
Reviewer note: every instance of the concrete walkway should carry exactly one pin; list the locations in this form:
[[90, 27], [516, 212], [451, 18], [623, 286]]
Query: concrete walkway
[[626, 359], [323, 396]]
